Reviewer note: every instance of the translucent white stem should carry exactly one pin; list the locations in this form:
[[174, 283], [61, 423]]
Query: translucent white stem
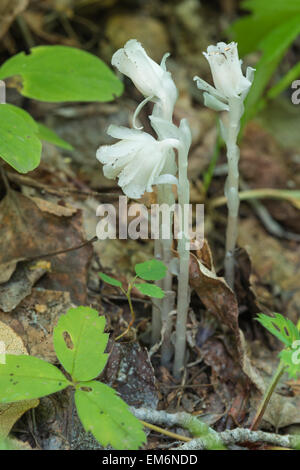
[[157, 303], [168, 301], [184, 256], [232, 186]]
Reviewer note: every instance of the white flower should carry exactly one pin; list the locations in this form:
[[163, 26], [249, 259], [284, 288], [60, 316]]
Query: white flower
[[151, 79], [138, 160], [227, 75]]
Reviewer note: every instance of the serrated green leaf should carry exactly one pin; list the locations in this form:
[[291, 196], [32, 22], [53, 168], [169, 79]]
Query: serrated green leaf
[[27, 377], [151, 290], [61, 73], [110, 280], [20, 146], [152, 270], [44, 133], [107, 417], [82, 354], [281, 327], [291, 357]]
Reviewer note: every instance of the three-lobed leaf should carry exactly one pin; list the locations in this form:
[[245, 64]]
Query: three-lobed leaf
[[110, 280], [152, 270], [281, 327], [107, 417], [20, 146], [27, 377], [61, 73], [79, 342]]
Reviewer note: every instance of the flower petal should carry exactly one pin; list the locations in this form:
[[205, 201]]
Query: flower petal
[[120, 132], [213, 103]]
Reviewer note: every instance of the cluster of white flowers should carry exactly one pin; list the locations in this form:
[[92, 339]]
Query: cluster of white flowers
[[139, 160]]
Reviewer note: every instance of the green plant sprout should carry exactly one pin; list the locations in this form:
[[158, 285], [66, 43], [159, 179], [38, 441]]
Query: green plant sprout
[[153, 270], [79, 342], [52, 74], [289, 334]]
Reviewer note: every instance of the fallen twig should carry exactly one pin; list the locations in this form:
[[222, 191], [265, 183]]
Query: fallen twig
[[208, 438]]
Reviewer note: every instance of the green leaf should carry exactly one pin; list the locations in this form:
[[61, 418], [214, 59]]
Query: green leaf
[[151, 290], [107, 417], [152, 270], [110, 280], [270, 28], [44, 133], [61, 73], [79, 343], [284, 82], [27, 377], [20, 146], [274, 47], [250, 30], [281, 327], [291, 357]]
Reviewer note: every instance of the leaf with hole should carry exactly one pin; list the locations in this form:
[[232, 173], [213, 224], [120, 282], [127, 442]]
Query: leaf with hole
[[110, 280], [152, 270], [20, 146], [61, 73], [107, 417], [151, 290], [79, 342], [281, 327], [27, 377]]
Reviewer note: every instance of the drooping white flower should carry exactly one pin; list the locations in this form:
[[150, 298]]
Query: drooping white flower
[[227, 75], [151, 79], [138, 160]]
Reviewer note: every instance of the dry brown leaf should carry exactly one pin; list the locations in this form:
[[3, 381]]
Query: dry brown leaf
[[130, 372], [11, 412], [19, 286], [6, 271], [221, 302], [27, 231], [52, 208], [35, 318]]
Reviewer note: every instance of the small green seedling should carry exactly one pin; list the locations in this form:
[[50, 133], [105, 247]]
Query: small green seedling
[[289, 334], [152, 270], [79, 342]]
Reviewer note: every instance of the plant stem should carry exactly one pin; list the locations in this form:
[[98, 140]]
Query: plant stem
[[157, 303], [165, 432], [267, 396], [184, 258], [128, 296], [168, 302], [232, 186]]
